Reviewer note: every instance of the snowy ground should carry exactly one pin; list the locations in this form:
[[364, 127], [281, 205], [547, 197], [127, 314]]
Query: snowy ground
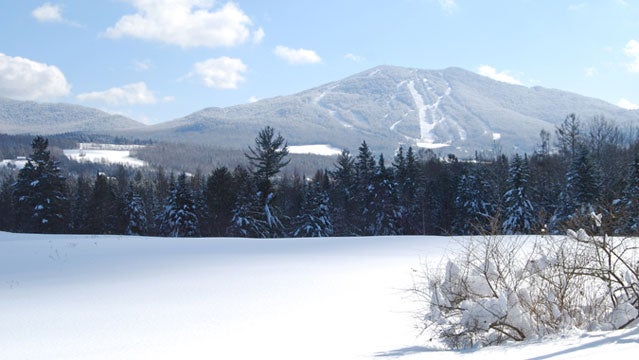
[[122, 157], [100, 297], [318, 149]]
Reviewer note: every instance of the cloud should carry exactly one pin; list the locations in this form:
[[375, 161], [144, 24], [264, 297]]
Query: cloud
[[51, 13], [297, 56], [503, 76], [186, 23], [591, 71], [253, 99], [131, 94], [354, 58], [627, 104], [448, 5], [632, 51], [143, 65], [48, 13], [221, 73], [24, 79]]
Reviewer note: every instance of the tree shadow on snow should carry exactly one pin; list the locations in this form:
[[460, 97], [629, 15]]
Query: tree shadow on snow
[[406, 351], [625, 338]]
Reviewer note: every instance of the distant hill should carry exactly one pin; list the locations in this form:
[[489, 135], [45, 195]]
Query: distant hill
[[453, 110], [28, 117]]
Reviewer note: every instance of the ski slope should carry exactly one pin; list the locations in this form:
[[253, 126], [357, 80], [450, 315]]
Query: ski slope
[[117, 297]]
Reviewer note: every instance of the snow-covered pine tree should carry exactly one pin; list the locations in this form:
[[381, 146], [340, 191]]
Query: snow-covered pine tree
[[255, 213], [582, 190], [179, 218], [383, 208], [6, 204], [106, 215], [474, 205], [79, 212], [406, 178], [342, 193], [314, 219], [365, 167], [628, 206], [40, 193], [519, 213], [135, 212]]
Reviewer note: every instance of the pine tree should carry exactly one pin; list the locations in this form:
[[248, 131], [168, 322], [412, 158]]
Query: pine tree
[[363, 197], [79, 213], [582, 190], [474, 205], [106, 212], [406, 178], [179, 218], [628, 205], [314, 219], [342, 194], [6, 204], [256, 213], [220, 195], [135, 213], [40, 193], [383, 207], [519, 214]]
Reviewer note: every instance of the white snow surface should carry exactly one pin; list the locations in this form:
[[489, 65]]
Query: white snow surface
[[17, 164], [122, 157], [317, 149], [118, 297]]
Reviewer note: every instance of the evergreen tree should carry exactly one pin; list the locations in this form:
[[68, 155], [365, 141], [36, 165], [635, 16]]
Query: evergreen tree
[[106, 211], [363, 196], [220, 195], [342, 195], [474, 205], [179, 218], [135, 213], [406, 178], [256, 214], [519, 214], [628, 205], [40, 193], [581, 194], [382, 208], [79, 213], [314, 219], [6, 204]]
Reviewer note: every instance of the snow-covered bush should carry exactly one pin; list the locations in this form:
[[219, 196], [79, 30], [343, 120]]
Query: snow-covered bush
[[501, 288]]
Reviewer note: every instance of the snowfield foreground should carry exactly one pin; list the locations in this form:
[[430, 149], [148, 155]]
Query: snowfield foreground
[[117, 297]]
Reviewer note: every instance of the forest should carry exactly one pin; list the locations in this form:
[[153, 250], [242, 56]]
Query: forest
[[586, 168]]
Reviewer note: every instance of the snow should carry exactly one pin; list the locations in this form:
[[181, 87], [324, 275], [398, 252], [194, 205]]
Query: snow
[[496, 136], [318, 149], [105, 153], [118, 297], [16, 164]]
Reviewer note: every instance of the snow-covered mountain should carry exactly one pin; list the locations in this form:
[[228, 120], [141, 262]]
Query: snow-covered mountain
[[453, 109], [28, 117]]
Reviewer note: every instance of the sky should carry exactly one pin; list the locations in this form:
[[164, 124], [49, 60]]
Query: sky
[[158, 60]]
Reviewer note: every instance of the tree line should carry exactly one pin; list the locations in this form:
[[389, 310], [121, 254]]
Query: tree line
[[588, 168]]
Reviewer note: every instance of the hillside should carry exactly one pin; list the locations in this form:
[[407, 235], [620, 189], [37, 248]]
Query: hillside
[[453, 110], [28, 117]]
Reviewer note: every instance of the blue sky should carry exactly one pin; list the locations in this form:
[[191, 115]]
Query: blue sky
[[157, 60]]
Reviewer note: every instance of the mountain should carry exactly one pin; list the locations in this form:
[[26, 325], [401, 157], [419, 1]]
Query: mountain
[[453, 110], [28, 117]]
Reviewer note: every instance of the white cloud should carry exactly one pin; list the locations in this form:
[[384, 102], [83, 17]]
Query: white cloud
[[24, 79], [253, 99], [220, 73], [131, 94], [627, 104], [48, 12], [448, 5], [297, 56], [354, 58], [258, 36], [143, 65], [591, 71], [503, 76], [186, 23], [632, 51]]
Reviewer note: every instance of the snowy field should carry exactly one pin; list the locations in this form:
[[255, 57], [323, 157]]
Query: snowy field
[[319, 149], [116, 297], [105, 154]]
